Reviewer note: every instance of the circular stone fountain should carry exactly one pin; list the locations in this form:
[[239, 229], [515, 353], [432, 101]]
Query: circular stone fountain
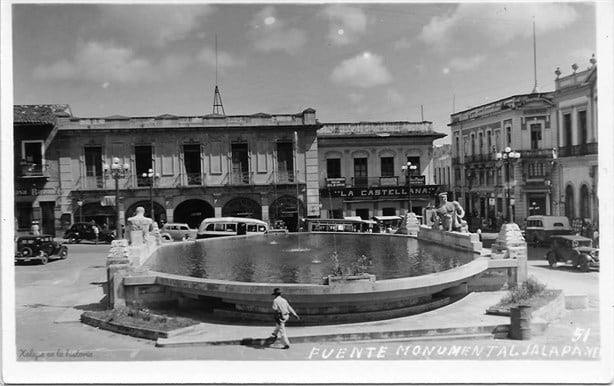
[[233, 277]]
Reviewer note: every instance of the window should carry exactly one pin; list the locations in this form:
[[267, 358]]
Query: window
[[285, 161], [360, 171], [143, 156], [570, 208], [536, 135], [415, 161], [333, 168], [509, 136], [191, 160], [537, 170], [457, 147], [387, 166], [93, 166], [457, 175], [472, 144], [584, 202], [240, 163], [582, 128], [488, 142], [480, 143], [32, 153], [567, 129], [389, 211]]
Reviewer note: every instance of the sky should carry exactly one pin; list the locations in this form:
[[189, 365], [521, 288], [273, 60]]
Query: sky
[[350, 62]]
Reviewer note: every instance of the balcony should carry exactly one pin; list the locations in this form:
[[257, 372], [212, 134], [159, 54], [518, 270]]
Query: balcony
[[364, 182], [240, 178], [194, 178], [29, 170], [536, 153], [577, 150], [285, 177]]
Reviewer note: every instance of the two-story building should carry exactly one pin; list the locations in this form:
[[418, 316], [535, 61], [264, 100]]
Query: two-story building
[[577, 163], [261, 166], [521, 123], [361, 168], [442, 167]]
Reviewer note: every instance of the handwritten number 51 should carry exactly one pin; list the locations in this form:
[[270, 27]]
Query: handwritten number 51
[[581, 334]]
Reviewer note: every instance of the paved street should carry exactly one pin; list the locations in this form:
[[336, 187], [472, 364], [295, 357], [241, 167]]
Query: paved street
[[49, 300]]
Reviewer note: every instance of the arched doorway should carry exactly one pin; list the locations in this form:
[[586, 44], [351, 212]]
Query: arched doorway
[[570, 209], [284, 209], [100, 214], [193, 212], [242, 207], [159, 211], [584, 203]]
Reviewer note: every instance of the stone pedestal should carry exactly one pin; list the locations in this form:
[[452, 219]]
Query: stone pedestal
[[410, 225], [510, 244], [118, 265]]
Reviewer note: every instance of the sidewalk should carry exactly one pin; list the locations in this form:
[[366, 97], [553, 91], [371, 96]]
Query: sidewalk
[[464, 319]]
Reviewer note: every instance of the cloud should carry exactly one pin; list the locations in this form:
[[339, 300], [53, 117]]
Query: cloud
[[402, 43], [156, 24], [395, 97], [99, 62], [466, 63], [224, 59], [495, 24], [365, 70], [347, 23], [270, 34]]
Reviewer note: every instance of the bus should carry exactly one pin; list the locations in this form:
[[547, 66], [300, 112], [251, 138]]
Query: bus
[[230, 226], [337, 225]]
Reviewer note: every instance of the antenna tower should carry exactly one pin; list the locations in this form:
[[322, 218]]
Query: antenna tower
[[217, 98]]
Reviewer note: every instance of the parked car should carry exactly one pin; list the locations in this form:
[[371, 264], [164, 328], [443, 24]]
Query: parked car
[[539, 228], [177, 232], [85, 231], [39, 248], [575, 250]]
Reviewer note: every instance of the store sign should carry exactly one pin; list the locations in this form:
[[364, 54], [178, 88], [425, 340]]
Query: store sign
[[379, 192], [335, 182], [35, 191], [417, 180]]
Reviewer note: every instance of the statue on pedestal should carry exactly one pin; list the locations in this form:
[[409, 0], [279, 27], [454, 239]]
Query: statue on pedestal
[[139, 226], [448, 216]]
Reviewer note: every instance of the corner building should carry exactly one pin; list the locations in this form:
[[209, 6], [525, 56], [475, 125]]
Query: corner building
[[261, 166], [361, 171]]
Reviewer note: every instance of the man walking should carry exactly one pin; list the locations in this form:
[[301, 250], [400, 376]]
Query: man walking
[[282, 310]]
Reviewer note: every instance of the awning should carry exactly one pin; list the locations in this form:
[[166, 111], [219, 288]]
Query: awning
[[107, 201], [386, 218]]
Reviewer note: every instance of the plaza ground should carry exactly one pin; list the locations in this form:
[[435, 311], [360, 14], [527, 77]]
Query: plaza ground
[[50, 298]]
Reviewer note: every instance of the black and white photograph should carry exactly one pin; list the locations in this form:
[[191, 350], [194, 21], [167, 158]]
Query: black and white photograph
[[307, 192]]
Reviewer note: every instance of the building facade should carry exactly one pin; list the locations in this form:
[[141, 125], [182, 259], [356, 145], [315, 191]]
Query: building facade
[[186, 168], [523, 123], [361, 168], [442, 167], [577, 163]]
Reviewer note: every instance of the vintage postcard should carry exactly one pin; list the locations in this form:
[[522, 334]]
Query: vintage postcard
[[307, 193]]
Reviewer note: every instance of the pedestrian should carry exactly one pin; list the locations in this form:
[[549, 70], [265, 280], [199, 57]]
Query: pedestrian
[[96, 231], [595, 237], [282, 310]]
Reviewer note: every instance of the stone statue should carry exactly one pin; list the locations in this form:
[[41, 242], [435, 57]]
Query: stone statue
[[139, 226], [449, 215]]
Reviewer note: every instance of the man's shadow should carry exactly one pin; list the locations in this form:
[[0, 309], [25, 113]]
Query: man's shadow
[[259, 343]]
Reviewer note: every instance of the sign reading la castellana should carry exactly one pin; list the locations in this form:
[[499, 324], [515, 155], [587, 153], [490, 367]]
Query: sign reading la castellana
[[381, 192]]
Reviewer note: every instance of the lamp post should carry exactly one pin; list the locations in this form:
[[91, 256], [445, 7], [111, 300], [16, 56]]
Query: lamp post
[[407, 169], [151, 176], [506, 157], [80, 205], [116, 171]]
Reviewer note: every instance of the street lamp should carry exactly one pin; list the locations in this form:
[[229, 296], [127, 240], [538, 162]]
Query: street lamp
[[80, 205], [407, 169], [151, 176], [506, 157], [116, 171]]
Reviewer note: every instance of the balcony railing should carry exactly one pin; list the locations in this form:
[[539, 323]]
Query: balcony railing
[[240, 178], [576, 150], [194, 178], [360, 182], [285, 176], [32, 170]]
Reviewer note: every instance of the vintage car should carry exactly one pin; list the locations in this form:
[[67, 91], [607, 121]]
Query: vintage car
[[39, 248], [177, 231], [85, 231], [575, 250], [540, 228]]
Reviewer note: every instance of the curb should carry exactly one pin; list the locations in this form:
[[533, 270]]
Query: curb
[[479, 332], [137, 332]]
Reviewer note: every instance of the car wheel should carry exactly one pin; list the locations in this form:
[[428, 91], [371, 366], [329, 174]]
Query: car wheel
[[44, 258], [26, 251], [584, 263], [63, 253], [551, 260]]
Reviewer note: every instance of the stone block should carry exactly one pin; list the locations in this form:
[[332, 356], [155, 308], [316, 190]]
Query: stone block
[[576, 302]]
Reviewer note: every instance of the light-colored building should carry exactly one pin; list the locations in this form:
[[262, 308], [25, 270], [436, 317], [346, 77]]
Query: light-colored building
[[261, 166], [577, 163], [442, 167], [361, 165], [523, 123]]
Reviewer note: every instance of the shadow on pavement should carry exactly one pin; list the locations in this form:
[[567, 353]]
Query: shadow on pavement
[[98, 306], [259, 343]]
